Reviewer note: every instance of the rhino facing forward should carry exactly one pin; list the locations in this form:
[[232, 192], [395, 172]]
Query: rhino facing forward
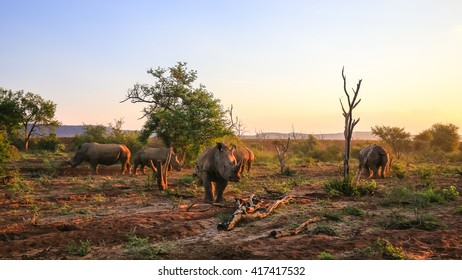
[[246, 156], [215, 167], [106, 154], [146, 156]]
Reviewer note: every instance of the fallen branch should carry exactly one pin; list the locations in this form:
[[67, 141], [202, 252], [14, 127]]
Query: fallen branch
[[248, 210], [297, 230]]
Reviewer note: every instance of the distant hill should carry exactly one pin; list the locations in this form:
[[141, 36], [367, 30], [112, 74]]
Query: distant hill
[[361, 135], [73, 130], [69, 130]]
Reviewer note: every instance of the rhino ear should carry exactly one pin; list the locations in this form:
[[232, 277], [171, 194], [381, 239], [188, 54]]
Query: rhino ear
[[220, 146]]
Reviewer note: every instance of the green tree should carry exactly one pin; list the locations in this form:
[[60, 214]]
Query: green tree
[[27, 110], [395, 137], [182, 115], [92, 133], [10, 113], [4, 152], [422, 141], [36, 112], [445, 137]]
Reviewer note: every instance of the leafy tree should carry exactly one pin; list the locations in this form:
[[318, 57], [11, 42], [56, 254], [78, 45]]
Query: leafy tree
[[422, 141], [10, 113], [36, 111], [27, 110], [4, 151], [395, 137], [182, 115], [445, 137]]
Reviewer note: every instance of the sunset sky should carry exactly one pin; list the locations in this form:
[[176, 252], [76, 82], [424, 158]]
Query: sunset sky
[[277, 62]]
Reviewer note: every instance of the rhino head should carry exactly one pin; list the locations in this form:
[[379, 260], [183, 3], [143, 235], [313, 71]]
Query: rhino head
[[175, 162], [228, 167], [79, 156]]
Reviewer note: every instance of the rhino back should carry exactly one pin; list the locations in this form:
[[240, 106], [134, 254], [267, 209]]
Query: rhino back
[[206, 161], [107, 154], [154, 154]]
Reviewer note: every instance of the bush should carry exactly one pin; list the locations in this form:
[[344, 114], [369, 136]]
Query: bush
[[48, 143], [350, 187], [289, 171], [387, 251], [351, 210], [399, 170], [81, 249]]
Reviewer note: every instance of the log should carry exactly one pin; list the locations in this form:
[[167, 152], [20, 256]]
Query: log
[[297, 230]]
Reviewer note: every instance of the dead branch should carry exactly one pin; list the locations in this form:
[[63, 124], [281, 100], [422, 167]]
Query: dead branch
[[282, 150], [297, 230], [248, 210]]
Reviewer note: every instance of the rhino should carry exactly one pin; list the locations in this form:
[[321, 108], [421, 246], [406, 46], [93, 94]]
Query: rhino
[[106, 154], [150, 155], [246, 156], [216, 167], [371, 159]]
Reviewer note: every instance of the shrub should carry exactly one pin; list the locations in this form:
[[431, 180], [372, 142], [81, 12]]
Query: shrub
[[351, 210], [80, 249], [289, 171], [387, 251], [139, 248], [324, 229], [458, 210], [399, 170], [350, 187], [401, 222], [326, 256]]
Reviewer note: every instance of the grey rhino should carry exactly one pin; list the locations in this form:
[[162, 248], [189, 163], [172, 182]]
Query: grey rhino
[[106, 154], [217, 165], [146, 156], [372, 158], [246, 156]]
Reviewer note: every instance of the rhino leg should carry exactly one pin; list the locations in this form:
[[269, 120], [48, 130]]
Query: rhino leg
[[220, 188], [94, 167], [208, 187]]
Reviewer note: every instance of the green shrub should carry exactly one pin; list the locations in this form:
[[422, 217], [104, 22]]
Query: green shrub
[[326, 256], [289, 171], [399, 170], [401, 222], [323, 229], [425, 173], [350, 187], [79, 249], [139, 248], [458, 210], [351, 210], [387, 251]]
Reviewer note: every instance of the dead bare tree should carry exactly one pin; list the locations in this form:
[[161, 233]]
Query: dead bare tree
[[350, 123], [236, 124], [282, 150]]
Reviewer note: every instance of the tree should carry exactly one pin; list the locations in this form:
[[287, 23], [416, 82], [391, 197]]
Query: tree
[[445, 137], [395, 137], [10, 113], [350, 123], [422, 141], [182, 115], [29, 111], [36, 112]]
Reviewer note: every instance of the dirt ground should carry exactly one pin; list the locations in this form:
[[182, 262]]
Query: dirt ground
[[60, 212]]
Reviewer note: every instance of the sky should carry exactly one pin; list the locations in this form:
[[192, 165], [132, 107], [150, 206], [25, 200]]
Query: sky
[[278, 63]]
